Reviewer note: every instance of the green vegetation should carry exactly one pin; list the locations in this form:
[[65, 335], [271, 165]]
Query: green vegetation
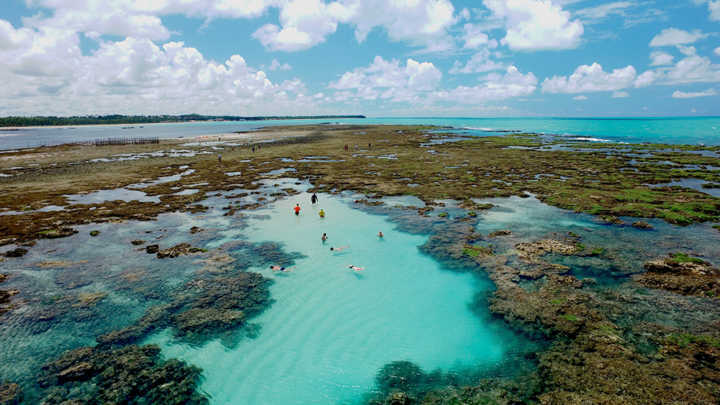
[[571, 317], [685, 339], [477, 251], [684, 258]]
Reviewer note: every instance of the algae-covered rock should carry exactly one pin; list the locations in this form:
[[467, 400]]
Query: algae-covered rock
[[152, 249], [137, 242], [56, 233], [94, 233]]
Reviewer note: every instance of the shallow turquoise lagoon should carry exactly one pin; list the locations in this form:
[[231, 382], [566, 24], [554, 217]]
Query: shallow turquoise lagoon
[[331, 328]]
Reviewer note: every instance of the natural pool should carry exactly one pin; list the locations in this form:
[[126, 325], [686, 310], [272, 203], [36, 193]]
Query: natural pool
[[331, 328]]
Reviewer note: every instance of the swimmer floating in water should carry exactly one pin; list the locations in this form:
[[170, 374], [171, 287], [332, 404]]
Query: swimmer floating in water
[[339, 249], [280, 268], [356, 268]]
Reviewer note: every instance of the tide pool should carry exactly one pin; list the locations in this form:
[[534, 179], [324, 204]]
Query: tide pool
[[331, 328]]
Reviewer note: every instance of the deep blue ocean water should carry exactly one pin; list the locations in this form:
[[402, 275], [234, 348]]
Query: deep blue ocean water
[[675, 130]]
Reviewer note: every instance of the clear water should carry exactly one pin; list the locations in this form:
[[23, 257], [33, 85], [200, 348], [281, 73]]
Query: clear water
[[673, 130], [332, 328]]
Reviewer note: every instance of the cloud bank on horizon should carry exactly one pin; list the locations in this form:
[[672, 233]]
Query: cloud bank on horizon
[[377, 57]]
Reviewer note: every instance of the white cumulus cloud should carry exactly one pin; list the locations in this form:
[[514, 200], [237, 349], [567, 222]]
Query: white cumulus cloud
[[659, 58], [134, 75], [533, 25], [674, 36], [384, 79], [590, 78], [479, 63], [493, 87]]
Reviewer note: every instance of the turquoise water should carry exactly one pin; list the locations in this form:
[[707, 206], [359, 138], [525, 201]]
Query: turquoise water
[[673, 130], [331, 328]]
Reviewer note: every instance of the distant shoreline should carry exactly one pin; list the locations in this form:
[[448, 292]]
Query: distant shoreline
[[17, 123]]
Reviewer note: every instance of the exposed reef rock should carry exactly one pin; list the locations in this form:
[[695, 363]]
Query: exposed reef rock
[[529, 252], [130, 375], [10, 394], [152, 249], [642, 225], [137, 242], [5, 296], [682, 274], [178, 250]]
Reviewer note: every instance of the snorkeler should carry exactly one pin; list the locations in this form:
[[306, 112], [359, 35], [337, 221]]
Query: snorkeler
[[321, 213], [279, 268], [339, 249], [297, 209], [324, 237], [356, 268]]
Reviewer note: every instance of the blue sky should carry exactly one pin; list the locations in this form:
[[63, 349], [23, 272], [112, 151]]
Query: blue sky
[[374, 57]]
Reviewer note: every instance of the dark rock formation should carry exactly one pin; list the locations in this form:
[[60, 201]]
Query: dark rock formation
[[137, 242], [642, 225], [130, 375], [94, 233], [17, 252], [152, 249], [178, 250], [499, 233]]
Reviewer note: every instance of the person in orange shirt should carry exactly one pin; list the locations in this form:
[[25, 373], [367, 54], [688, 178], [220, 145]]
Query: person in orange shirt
[[297, 209]]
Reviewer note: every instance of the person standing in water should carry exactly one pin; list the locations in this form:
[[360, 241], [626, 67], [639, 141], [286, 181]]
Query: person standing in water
[[314, 198], [380, 234], [321, 213], [297, 209], [324, 237]]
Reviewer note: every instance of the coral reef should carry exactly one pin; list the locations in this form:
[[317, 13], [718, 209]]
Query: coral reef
[[682, 274], [132, 374]]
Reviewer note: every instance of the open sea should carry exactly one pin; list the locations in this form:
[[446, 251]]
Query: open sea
[[672, 130]]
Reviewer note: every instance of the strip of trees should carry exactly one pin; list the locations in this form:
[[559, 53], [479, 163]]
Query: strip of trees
[[145, 119]]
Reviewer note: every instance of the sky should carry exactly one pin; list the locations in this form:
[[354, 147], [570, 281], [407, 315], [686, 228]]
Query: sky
[[382, 58]]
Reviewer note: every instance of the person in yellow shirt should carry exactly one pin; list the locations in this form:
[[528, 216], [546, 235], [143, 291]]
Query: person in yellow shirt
[[321, 213]]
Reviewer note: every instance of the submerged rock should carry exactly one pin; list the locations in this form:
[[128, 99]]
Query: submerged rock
[[132, 375], [499, 233], [94, 233], [152, 249], [17, 252], [138, 242]]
